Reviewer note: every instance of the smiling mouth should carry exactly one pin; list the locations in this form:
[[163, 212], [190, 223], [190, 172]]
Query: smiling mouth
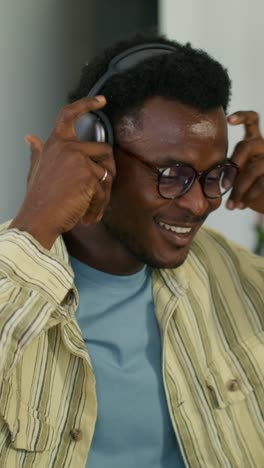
[[176, 229], [179, 236]]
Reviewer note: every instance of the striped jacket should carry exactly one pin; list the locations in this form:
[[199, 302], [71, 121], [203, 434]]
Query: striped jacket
[[211, 316]]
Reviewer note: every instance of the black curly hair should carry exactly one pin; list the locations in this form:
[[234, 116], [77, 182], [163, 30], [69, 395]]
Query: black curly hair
[[188, 75]]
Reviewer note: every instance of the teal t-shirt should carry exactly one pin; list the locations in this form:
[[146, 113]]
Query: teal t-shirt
[[117, 319]]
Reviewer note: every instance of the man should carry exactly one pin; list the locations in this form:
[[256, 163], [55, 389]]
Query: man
[[171, 313]]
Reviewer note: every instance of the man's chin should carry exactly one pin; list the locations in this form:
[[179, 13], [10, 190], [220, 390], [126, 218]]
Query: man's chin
[[164, 257], [167, 265], [169, 261], [175, 264]]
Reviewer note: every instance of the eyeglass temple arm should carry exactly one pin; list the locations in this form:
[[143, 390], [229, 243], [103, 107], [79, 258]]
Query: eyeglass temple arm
[[140, 160]]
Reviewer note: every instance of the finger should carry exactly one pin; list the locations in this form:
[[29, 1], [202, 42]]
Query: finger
[[255, 193], [93, 214], [246, 150], [99, 153], [35, 144], [250, 120], [247, 179], [101, 172], [65, 121], [105, 178]]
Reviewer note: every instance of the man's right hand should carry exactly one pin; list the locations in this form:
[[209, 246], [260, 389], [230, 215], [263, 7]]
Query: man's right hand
[[64, 181]]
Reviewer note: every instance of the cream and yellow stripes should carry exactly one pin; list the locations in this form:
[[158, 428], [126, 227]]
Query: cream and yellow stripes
[[211, 316], [214, 354]]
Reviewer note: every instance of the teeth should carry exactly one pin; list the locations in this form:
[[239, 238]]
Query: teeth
[[178, 230]]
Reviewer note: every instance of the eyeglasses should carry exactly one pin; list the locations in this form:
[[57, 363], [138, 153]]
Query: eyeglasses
[[176, 180]]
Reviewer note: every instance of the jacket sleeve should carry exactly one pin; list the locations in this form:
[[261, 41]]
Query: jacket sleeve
[[33, 283]]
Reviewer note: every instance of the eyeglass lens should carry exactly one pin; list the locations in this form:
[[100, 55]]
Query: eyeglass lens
[[177, 180]]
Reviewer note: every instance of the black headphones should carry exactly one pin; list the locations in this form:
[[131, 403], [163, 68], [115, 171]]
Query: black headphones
[[96, 126]]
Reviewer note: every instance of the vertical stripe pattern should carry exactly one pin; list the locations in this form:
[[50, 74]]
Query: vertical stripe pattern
[[211, 316]]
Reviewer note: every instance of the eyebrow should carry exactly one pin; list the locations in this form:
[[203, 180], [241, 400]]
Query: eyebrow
[[171, 161]]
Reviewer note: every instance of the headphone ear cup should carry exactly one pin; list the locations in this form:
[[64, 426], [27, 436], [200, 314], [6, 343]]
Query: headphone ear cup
[[94, 126]]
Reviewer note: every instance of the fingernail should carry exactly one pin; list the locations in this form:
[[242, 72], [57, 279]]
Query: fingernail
[[99, 98], [230, 205], [99, 217], [234, 118], [26, 140], [241, 206]]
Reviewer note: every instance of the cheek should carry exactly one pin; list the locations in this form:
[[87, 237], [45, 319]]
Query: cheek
[[215, 204], [134, 190], [134, 203]]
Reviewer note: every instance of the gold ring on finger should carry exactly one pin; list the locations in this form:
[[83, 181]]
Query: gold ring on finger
[[104, 176]]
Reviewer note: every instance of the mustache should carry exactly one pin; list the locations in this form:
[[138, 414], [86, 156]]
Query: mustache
[[187, 218], [190, 219]]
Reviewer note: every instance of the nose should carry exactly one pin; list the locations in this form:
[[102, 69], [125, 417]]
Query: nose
[[194, 200]]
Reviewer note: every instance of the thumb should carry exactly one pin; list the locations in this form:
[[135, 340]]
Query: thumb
[[36, 147], [35, 144]]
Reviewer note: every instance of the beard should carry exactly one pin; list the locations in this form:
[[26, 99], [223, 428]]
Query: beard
[[131, 242]]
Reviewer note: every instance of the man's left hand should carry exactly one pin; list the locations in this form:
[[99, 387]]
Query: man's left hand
[[248, 190]]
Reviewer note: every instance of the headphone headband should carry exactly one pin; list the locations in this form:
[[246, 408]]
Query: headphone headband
[[95, 126], [128, 59]]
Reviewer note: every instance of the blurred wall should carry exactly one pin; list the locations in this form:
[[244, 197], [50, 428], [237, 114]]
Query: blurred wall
[[232, 31], [36, 71], [98, 23], [43, 44]]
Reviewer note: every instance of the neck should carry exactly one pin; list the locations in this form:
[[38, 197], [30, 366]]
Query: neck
[[95, 246]]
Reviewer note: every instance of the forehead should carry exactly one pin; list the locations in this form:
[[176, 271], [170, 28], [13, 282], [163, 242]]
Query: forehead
[[166, 128]]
